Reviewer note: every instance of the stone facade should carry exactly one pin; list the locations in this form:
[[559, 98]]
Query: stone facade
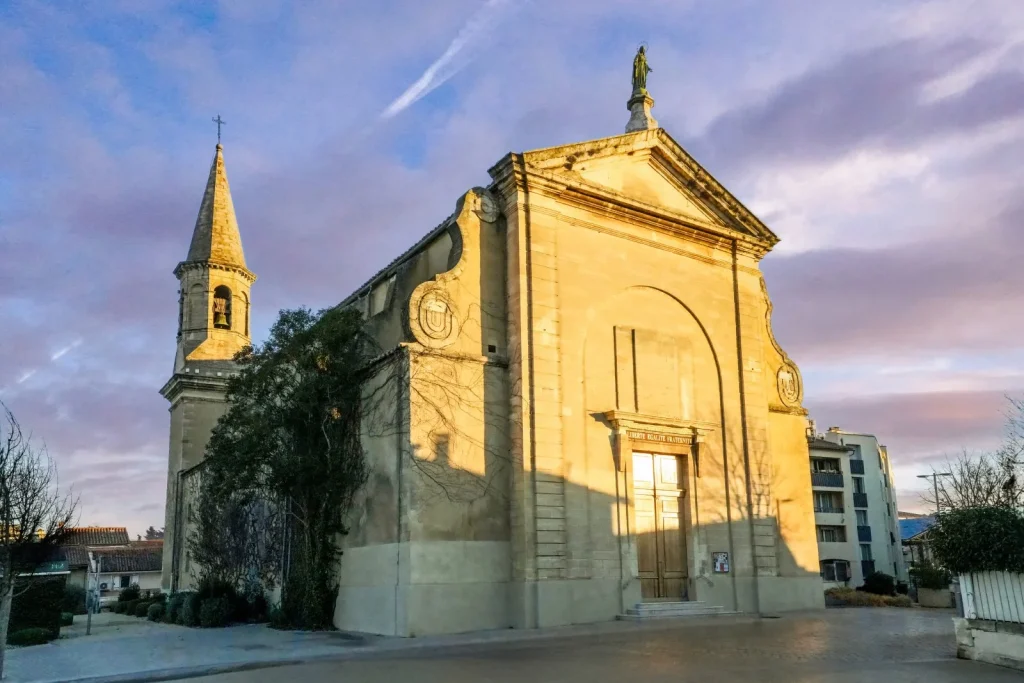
[[579, 405], [213, 325]]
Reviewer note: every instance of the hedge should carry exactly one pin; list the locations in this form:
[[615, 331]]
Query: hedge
[[74, 599], [215, 612], [848, 597], [30, 636], [67, 619], [39, 606], [979, 539], [155, 612]]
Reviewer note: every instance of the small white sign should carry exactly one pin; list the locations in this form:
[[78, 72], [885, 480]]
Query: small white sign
[[721, 562]]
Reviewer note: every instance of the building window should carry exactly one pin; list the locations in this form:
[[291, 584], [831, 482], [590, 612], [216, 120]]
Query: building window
[[125, 581], [832, 534], [858, 484], [828, 501], [824, 465], [835, 570], [865, 551], [862, 517]]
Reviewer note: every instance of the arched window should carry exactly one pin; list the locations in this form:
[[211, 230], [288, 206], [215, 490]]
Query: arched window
[[245, 303], [195, 307], [222, 308], [181, 310]]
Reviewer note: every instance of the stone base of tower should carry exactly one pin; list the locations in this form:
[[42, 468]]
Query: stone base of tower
[[198, 399]]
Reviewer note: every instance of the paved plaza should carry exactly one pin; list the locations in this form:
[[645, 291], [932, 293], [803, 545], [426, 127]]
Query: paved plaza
[[839, 646], [843, 645]]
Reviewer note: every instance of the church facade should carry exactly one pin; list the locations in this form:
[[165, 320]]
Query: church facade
[[579, 404]]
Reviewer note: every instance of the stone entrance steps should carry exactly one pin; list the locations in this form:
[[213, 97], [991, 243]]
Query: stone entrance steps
[[643, 611]]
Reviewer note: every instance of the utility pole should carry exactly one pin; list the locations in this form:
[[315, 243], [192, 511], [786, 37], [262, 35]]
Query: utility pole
[[93, 595], [934, 476]]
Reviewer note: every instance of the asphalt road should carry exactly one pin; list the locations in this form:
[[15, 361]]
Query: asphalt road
[[837, 646]]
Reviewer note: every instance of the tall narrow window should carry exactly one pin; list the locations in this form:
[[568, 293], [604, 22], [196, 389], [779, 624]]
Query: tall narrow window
[[222, 308], [181, 310]]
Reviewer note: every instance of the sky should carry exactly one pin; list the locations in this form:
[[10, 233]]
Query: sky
[[881, 140]]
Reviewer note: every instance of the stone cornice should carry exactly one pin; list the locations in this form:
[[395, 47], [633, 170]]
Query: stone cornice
[[512, 178], [181, 382], [213, 265], [509, 173], [621, 419]]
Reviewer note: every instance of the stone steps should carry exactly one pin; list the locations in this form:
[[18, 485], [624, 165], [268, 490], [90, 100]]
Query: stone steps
[[643, 611]]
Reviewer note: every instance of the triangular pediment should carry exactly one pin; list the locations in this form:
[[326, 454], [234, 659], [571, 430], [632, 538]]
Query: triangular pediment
[[650, 169]]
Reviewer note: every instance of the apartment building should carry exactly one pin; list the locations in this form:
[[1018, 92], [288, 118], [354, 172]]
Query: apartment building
[[854, 507]]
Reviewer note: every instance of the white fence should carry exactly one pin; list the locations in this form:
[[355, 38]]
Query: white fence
[[998, 596]]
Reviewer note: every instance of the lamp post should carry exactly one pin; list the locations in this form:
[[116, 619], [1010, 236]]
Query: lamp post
[[934, 476]]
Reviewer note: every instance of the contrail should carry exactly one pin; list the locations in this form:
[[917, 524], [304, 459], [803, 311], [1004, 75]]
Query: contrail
[[478, 26]]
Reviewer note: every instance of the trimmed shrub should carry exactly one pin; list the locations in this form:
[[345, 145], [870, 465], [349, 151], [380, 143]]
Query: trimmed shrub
[[74, 599], [155, 612], [258, 609], [119, 607], [979, 539], [902, 588], [129, 594], [879, 583], [174, 604], [928, 576], [141, 609], [39, 605], [215, 612], [847, 597], [277, 619], [190, 611], [30, 636], [67, 618], [129, 607]]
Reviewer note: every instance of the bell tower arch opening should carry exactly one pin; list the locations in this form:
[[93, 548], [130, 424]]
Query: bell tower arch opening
[[222, 307]]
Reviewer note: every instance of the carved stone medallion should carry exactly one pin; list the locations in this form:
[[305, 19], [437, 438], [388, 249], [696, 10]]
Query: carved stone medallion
[[435, 316], [789, 384], [486, 208]]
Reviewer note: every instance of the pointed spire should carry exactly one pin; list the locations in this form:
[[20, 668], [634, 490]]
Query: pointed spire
[[216, 237]]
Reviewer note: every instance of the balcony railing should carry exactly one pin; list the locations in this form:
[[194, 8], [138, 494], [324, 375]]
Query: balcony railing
[[864, 534], [829, 509], [867, 567], [856, 467], [860, 500], [832, 479]]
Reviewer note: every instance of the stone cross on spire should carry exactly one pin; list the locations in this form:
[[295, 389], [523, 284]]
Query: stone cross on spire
[[640, 102]]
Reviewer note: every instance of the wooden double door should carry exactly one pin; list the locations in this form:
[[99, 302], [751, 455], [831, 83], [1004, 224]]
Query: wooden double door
[[659, 501]]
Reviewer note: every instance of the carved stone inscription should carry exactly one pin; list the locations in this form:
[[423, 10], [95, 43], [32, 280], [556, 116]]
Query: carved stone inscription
[[657, 437]]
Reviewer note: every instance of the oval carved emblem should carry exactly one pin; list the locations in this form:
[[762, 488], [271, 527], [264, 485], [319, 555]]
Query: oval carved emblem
[[435, 316], [789, 384]]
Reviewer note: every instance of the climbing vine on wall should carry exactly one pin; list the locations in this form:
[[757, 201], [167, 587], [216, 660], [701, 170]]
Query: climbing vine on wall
[[287, 457]]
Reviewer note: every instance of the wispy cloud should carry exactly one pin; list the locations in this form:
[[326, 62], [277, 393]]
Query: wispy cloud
[[459, 51], [61, 352]]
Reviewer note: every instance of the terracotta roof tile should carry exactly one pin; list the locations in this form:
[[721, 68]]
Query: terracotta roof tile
[[91, 536], [130, 559]]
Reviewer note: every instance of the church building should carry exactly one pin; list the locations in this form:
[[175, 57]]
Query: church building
[[579, 412]]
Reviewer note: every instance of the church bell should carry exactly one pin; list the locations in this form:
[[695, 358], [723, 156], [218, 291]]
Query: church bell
[[220, 319]]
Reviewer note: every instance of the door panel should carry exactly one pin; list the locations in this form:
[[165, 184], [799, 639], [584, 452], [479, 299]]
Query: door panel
[[659, 505], [647, 545]]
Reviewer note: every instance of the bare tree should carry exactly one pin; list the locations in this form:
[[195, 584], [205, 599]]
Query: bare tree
[[977, 480], [34, 515]]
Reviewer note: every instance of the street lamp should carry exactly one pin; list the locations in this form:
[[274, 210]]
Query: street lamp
[[934, 476]]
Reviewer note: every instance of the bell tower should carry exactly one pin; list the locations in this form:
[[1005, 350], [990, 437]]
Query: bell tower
[[213, 325]]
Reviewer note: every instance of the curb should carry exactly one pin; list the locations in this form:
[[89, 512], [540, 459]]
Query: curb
[[400, 647]]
